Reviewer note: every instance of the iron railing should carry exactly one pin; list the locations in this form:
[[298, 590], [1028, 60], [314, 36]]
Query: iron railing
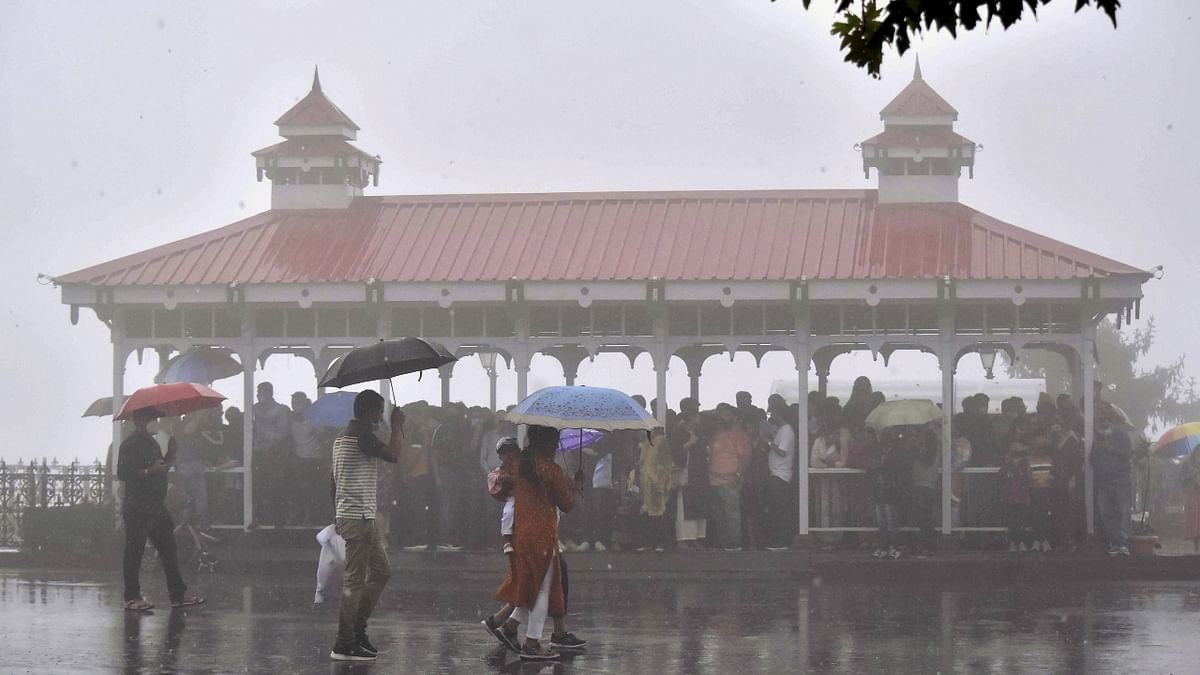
[[49, 484]]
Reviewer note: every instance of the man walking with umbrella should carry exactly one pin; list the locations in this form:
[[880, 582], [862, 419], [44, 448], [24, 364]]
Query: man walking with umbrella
[[143, 469], [356, 455]]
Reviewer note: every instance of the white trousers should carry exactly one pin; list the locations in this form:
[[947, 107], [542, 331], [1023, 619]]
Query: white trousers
[[534, 619], [506, 517]]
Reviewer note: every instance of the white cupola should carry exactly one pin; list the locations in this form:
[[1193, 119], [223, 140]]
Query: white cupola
[[316, 167], [918, 157]]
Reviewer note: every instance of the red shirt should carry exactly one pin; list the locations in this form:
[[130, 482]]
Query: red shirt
[[728, 454]]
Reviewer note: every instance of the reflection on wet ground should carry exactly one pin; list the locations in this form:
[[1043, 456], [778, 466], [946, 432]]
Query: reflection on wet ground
[[59, 622]]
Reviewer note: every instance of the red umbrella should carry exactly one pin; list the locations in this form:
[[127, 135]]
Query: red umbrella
[[171, 399]]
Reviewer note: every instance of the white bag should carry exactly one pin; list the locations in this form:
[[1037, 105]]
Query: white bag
[[332, 563]]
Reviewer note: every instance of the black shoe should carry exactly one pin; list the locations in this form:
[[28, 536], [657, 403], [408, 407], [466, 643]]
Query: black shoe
[[497, 631], [353, 652], [365, 643], [567, 641]]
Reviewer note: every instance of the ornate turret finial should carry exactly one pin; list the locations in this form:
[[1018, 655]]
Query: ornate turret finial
[[317, 78], [916, 70]]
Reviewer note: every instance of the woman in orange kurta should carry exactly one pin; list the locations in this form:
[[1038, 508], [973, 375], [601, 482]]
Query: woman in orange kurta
[[532, 584]]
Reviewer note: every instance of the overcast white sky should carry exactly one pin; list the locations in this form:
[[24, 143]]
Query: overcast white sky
[[126, 126]]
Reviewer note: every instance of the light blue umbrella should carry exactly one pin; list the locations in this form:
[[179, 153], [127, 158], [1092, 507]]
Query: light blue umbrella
[[574, 439], [334, 409], [581, 408], [204, 365]]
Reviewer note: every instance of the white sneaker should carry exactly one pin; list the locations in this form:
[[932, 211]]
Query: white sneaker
[[583, 547], [1045, 547], [1021, 547], [1124, 550], [600, 548], [569, 545], [879, 553], [1036, 547], [1012, 547]]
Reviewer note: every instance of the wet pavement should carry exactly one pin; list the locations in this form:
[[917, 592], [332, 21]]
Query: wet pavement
[[72, 623]]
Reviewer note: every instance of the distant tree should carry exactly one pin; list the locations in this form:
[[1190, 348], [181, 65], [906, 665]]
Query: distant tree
[[1154, 398], [867, 27]]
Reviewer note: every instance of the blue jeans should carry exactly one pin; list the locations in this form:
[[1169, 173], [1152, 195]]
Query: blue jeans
[[729, 513], [1114, 503], [889, 523]]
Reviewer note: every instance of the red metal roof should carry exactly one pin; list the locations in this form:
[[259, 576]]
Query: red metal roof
[[315, 110], [918, 99], [918, 136], [724, 235], [310, 146]]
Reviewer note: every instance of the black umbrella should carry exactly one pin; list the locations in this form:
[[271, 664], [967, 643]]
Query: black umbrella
[[384, 360]]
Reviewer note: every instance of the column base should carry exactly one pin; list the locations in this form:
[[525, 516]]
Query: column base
[[805, 542]]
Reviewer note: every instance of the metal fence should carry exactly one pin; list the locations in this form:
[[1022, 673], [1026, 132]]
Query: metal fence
[[49, 484], [842, 501]]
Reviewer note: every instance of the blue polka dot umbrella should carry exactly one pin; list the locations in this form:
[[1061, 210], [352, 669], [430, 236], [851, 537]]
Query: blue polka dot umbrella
[[582, 408]]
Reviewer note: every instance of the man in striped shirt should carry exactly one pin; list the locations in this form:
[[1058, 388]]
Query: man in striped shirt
[[356, 455]]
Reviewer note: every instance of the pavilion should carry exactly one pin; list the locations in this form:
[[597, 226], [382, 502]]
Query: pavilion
[[688, 274]]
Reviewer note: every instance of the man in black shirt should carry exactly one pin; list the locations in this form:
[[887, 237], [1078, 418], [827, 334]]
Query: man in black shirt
[[143, 469]]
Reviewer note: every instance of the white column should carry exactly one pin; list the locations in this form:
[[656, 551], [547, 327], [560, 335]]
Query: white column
[[120, 355], [948, 360], [800, 352], [491, 373], [249, 362], [1087, 357], [444, 375], [662, 360], [321, 362], [948, 365], [520, 359], [522, 354]]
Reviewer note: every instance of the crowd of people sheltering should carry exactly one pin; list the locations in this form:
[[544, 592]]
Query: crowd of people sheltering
[[722, 478], [443, 478]]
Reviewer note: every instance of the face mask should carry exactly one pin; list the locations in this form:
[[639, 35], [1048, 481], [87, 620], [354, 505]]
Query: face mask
[[380, 431]]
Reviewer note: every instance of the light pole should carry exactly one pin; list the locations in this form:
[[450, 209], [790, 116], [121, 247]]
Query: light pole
[[488, 361]]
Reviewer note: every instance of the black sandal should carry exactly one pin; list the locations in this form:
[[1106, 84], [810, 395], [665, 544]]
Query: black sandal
[[539, 654]]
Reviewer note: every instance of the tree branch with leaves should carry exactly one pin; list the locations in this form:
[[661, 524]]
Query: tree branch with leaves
[[867, 27], [1155, 398]]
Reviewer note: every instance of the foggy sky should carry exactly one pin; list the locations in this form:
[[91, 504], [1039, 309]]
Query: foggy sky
[[125, 126]]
